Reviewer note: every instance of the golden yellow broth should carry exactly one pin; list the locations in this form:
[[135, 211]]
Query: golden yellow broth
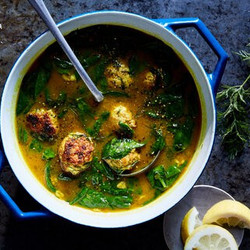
[[70, 123]]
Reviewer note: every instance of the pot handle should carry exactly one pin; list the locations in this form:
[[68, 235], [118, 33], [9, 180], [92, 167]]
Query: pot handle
[[177, 23], [10, 203]]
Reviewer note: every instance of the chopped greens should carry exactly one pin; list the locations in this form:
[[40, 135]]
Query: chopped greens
[[22, 135], [62, 98], [90, 60], [119, 148], [41, 80], [165, 105], [125, 130], [36, 145], [159, 143], [48, 154], [62, 66], [136, 66], [115, 93], [79, 196], [100, 167], [94, 131], [100, 188], [182, 134], [49, 183], [33, 84], [96, 199], [82, 109], [161, 178]]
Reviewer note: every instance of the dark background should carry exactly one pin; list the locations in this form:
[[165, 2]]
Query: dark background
[[228, 20]]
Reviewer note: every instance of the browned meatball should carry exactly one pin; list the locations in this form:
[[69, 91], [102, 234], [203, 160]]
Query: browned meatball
[[43, 122], [74, 152], [125, 163]]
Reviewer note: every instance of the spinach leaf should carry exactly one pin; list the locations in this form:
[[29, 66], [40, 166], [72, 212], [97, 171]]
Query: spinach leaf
[[54, 103], [95, 199], [125, 130], [161, 178], [166, 106], [32, 85], [136, 65], [22, 135], [111, 188], [119, 148], [182, 134], [41, 80], [62, 113], [50, 185], [24, 103], [120, 201], [36, 145], [48, 154], [97, 71], [62, 66], [164, 76], [90, 60], [157, 178], [98, 166], [103, 84], [159, 143], [95, 175], [115, 93], [82, 109], [79, 196], [98, 124], [134, 185], [175, 106]]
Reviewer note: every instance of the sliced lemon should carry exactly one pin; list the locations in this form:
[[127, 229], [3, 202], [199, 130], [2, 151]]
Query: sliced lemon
[[210, 237], [230, 212], [189, 223]]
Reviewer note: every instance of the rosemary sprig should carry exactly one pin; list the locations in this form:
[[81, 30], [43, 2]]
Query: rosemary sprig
[[244, 55], [234, 118]]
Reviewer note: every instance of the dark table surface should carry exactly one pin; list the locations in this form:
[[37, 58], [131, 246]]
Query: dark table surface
[[228, 20]]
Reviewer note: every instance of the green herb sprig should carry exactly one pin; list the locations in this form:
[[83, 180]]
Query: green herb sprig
[[234, 118]]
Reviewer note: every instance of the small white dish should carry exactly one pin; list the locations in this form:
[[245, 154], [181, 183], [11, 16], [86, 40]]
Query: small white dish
[[202, 197]]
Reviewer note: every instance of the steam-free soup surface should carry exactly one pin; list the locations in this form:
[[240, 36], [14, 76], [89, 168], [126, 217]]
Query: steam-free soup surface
[[77, 148]]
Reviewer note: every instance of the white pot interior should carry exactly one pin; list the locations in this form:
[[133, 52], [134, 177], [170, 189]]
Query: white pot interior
[[85, 216]]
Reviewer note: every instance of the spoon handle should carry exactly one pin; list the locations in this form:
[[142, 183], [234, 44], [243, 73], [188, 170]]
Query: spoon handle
[[41, 9]]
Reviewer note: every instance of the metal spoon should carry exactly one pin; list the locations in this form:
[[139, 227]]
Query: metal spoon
[[43, 12]]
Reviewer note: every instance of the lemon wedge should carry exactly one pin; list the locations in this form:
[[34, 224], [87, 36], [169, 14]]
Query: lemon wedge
[[189, 223], [210, 237], [230, 212]]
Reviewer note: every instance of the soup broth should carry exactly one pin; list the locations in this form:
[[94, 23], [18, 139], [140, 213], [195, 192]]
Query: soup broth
[[79, 148]]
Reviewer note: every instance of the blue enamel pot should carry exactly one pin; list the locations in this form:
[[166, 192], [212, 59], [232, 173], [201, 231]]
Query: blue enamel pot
[[206, 84]]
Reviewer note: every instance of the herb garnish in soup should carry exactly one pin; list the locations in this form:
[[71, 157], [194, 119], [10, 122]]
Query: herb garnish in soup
[[79, 148]]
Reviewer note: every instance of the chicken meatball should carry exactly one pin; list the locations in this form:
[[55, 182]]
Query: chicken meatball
[[75, 151], [125, 163], [149, 80], [118, 75], [122, 114], [43, 123]]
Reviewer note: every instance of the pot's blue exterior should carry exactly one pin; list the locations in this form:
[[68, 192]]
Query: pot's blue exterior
[[214, 79]]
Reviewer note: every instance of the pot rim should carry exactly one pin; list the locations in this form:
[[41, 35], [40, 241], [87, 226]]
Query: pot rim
[[78, 214]]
